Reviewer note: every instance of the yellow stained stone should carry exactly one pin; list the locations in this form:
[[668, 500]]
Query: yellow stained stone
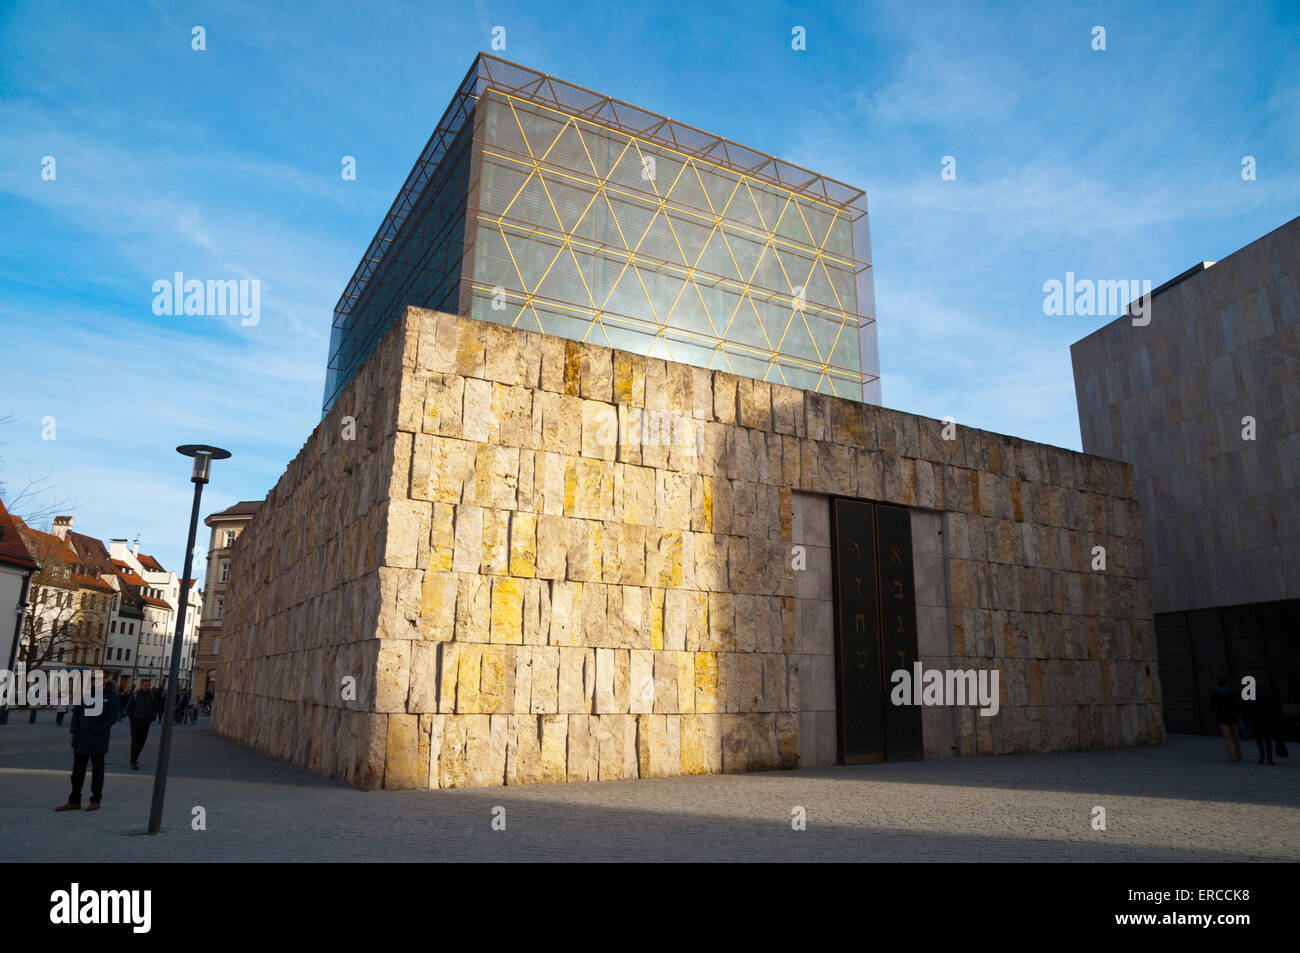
[[706, 682], [523, 545], [467, 680], [438, 605], [507, 610], [657, 619], [492, 679], [442, 537]]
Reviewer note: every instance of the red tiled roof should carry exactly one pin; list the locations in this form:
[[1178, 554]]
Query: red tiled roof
[[148, 562], [46, 546], [92, 551], [13, 551], [151, 601], [129, 576], [90, 582]]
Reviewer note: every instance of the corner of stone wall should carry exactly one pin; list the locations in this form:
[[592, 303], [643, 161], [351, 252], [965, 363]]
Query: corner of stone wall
[[300, 659]]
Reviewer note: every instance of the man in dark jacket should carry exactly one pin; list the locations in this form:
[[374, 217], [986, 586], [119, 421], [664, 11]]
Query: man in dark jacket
[[139, 708], [1227, 710], [1262, 715], [159, 704], [90, 735]]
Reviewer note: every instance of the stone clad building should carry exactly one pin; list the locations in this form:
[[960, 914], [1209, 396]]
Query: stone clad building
[[1204, 402], [508, 557]]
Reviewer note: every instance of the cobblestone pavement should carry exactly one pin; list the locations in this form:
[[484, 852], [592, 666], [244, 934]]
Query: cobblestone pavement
[[1179, 801]]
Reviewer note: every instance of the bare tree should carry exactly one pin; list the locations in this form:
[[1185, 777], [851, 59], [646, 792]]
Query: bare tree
[[44, 638], [63, 616]]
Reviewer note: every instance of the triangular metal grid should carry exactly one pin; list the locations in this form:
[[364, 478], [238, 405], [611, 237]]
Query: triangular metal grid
[[758, 328], [492, 72]]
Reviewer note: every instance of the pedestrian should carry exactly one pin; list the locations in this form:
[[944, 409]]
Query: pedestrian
[[181, 704], [90, 735], [1227, 709], [159, 704], [1258, 714], [140, 710], [58, 718]]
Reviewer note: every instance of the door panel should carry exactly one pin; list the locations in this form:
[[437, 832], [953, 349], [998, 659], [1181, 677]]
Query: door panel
[[897, 627], [1178, 675], [875, 630], [1210, 658], [861, 703]]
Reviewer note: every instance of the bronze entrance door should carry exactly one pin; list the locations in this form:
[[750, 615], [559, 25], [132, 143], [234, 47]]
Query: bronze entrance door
[[875, 630]]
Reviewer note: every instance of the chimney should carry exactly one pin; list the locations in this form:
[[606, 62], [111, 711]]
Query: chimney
[[135, 548], [117, 548], [62, 525]]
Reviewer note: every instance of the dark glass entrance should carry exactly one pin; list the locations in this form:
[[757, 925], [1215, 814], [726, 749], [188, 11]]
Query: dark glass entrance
[[875, 630]]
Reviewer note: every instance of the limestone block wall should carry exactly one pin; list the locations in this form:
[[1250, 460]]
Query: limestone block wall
[[543, 560], [305, 590]]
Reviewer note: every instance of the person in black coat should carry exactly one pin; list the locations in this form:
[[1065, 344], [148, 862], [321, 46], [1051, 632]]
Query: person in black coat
[[1264, 720], [1227, 710], [90, 735], [139, 708], [159, 704]]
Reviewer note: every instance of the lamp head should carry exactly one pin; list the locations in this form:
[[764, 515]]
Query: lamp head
[[203, 456]]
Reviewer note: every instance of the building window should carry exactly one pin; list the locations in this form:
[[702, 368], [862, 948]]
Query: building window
[[221, 606], [224, 574]]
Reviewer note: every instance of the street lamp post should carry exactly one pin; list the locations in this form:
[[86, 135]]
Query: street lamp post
[[203, 457]]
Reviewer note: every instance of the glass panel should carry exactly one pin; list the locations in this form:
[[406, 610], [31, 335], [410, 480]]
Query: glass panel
[[599, 228]]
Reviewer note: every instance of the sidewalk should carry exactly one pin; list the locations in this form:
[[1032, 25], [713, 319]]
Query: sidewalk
[[1178, 802]]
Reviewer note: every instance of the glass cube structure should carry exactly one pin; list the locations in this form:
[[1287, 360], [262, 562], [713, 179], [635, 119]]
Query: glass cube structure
[[542, 205]]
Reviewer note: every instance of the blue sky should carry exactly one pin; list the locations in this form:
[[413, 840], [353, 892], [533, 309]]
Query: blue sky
[[225, 163]]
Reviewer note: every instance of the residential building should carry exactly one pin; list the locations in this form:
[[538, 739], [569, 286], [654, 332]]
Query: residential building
[[155, 637], [225, 527], [157, 632], [546, 207], [126, 627], [17, 567], [69, 605], [99, 563], [1203, 400]]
